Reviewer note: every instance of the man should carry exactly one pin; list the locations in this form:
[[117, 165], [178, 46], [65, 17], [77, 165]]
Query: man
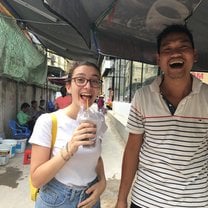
[[23, 116], [33, 111], [167, 149], [42, 106]]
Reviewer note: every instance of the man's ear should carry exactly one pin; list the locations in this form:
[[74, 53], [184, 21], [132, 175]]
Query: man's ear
[[157, 59], [195, 56]]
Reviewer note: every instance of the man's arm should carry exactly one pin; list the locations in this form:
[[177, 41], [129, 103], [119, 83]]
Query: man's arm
[[129, 167]]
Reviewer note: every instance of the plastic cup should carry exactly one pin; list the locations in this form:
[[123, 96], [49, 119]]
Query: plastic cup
[[87, 120], [86, 116]]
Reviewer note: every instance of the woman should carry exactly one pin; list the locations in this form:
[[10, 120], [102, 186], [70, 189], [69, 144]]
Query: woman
[[64, 100], [70, 175]]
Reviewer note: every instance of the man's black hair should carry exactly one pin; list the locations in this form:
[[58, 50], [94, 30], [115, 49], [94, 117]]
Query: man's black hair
[[33, 102], [24, 105], [175, 28]]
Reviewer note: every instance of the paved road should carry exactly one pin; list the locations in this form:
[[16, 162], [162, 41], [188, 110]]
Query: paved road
[[14, 192]]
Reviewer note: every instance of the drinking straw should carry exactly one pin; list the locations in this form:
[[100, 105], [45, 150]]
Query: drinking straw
[[87, 104]]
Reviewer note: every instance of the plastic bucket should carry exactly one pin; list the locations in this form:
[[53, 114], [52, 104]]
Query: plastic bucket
[[12, 143], [20, 146], [4, 154]]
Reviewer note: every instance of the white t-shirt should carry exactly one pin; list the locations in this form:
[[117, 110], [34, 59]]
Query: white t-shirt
[[80, 169]]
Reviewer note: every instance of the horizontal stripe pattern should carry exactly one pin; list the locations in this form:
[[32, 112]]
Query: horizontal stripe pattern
[[173, 168]]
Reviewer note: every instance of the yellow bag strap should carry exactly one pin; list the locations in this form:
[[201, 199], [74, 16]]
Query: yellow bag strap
[[33, 190], [53, 129]]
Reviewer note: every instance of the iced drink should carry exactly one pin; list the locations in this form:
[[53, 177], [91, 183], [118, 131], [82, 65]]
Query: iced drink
[[86, 116]]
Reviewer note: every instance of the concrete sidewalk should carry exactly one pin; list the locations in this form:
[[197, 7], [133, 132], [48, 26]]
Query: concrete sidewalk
[[14, 187]]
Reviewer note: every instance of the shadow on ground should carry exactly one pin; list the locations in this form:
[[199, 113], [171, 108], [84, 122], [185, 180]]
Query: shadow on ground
[[109, 197], [9, 176]]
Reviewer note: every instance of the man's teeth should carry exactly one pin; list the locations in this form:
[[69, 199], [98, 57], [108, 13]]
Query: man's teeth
[[176, 62]]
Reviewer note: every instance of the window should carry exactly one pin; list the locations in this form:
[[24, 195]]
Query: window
[[129, 76]]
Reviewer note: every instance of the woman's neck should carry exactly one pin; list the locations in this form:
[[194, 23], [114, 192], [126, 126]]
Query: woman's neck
[[72, 111]]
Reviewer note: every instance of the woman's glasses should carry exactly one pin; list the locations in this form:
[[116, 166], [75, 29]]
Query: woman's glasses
[[81, 82]]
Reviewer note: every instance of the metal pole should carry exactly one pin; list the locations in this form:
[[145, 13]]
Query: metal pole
[[130, 84], [142, 74], [119, 79]]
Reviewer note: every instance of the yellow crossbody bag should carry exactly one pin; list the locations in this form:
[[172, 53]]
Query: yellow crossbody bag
[[34, 191]]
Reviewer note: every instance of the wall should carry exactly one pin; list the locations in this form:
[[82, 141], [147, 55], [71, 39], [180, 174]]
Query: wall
[[12, 95], [122, 110], [119, 115]]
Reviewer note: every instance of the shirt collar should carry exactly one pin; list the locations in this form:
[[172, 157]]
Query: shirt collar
[[155, 85]]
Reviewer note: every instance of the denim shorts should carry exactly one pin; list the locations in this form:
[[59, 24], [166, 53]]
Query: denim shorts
[[57, 194]]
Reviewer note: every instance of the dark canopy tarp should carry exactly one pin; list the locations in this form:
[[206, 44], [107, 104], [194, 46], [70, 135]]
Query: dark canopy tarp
[[54, 33], [128, 28], [61, 81], [80, 29], [55, 71]]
